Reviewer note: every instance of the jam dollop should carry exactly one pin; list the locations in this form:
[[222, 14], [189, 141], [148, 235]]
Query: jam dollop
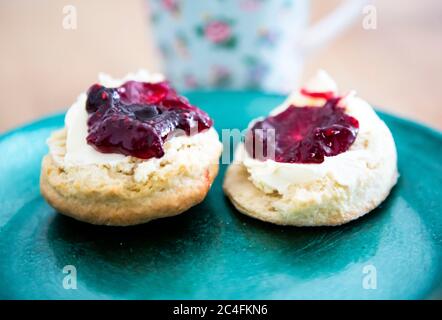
[[136, 118], [304, 134]]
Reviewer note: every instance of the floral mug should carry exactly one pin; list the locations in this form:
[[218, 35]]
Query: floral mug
[[241, 44]]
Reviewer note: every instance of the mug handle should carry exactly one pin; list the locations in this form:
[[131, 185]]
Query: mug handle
[[331, 25]]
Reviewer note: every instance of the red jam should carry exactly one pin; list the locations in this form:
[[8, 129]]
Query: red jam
[[318, 95], [136, 118], [305, 134]]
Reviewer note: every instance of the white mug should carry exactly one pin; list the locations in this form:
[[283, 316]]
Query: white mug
[[241, 44]]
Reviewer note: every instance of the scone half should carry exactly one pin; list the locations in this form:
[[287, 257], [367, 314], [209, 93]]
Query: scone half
[[342, 188], [120, 190], [128, 194]]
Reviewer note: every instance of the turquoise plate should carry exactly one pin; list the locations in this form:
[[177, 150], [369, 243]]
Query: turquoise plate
[[212, 251]]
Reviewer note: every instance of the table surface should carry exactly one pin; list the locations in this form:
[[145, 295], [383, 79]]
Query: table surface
[[397, 67]]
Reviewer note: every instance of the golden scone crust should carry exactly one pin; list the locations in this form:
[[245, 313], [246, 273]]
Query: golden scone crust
[[105, 196], [332, 209]]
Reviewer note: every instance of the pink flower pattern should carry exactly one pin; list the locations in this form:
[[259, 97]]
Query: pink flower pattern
[[171, 5], [217, 31]]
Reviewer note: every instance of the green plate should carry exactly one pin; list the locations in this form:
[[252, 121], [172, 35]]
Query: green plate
[[212, 251]]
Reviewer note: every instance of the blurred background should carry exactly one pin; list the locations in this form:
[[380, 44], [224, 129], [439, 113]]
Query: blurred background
[[397, 66]]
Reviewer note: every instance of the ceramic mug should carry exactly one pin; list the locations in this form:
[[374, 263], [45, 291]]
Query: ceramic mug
[[241, 44]]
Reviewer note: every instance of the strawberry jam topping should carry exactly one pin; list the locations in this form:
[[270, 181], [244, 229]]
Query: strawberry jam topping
[[318, 95], [136, 118], [305, 134]]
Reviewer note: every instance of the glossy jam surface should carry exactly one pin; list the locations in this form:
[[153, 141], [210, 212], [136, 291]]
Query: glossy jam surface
[[304, 134], [136, 118]]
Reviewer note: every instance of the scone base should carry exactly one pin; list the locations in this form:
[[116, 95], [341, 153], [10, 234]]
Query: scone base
[[251, 201], [115, 209]]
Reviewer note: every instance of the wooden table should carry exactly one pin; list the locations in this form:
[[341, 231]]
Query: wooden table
[[397, 67]]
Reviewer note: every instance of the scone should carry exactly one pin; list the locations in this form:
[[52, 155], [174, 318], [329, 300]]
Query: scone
[[319, 159], [132, 150]]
